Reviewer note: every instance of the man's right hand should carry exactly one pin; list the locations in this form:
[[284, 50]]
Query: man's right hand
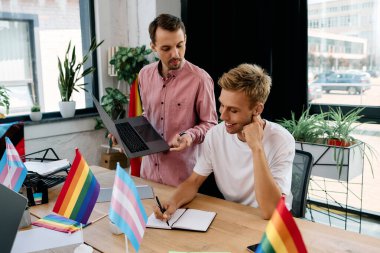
[[170, 209], [114, 141]]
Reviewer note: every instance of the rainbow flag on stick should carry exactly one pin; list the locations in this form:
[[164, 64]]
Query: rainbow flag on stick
[[126, 210], [12, 169], [135, 109], [79, 192], [57, 223], [282, 233]]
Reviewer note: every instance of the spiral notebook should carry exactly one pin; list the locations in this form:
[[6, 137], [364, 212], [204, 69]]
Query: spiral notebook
[[185, 219]]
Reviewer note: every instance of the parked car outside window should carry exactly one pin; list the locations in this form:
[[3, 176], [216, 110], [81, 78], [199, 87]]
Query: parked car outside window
[[352, 81]]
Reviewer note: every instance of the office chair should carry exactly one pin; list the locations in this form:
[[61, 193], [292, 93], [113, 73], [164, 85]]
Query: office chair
[[210, 188], [302, 165]]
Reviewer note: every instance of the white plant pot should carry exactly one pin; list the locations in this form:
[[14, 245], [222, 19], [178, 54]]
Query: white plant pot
[[35, 116], [67, 108], [325, 165]]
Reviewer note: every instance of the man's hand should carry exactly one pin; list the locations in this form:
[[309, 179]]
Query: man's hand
[[114, 141], [180, 142], [254, 132], [170, 208]]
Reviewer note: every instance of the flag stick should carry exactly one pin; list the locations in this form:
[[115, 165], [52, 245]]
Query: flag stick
[[81, 231], [126, 243]]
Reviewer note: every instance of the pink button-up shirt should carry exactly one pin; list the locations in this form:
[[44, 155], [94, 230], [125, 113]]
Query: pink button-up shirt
[[184, 101]]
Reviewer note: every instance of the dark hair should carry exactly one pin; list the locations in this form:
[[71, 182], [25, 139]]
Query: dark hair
[[166, 22]]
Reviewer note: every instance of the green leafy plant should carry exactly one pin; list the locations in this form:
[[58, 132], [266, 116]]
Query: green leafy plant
[[340, 126], [35, 108], [128, 61], [113, 103], [4, 98], [333, 128], [307, 128], [70, 70]]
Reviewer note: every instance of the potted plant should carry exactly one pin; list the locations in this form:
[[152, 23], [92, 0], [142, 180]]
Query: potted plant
[[128, 61], [70, 73], [328, 137], [35, 112], [113, 102], [4, 101]]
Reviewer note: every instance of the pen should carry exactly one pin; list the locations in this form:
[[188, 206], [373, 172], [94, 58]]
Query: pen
[[161, 209]]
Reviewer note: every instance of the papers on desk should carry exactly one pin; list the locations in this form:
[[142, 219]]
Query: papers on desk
[[187, 219], [145, 192], [46, 168], [41, 239]]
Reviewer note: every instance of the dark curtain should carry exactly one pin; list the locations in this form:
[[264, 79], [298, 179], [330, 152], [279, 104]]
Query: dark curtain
[[273, 34]]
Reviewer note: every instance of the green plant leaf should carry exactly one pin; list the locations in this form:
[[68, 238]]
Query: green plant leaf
[[70, 72]]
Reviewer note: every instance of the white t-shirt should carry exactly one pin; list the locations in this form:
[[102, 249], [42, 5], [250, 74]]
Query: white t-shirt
[[232, 163]]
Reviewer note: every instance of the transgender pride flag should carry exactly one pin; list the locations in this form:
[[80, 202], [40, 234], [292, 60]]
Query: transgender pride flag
[[126, 210], [79, 193], [281, 234], [12, 169]]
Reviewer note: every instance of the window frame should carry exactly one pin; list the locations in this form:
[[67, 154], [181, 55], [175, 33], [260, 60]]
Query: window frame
[[87, 17]]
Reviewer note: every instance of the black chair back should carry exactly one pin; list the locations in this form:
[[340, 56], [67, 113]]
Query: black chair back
[[302, 165]]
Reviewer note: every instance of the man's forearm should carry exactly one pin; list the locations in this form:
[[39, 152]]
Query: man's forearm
[[184, 194], [267, 191]]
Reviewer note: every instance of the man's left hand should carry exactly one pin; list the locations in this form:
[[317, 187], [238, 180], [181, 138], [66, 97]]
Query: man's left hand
[[180, 142]]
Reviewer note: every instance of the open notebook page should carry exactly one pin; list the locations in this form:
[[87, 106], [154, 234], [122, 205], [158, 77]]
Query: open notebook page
[[188, 219], [153, 222], [194, 219]]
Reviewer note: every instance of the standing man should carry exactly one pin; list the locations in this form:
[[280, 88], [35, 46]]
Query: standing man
[[251, 157], [178, 100]]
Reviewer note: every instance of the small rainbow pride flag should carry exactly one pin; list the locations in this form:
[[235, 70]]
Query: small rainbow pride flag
[[57, 223], [135, 109], [12, 169], [126, 210], [79, 192], [282, 233]]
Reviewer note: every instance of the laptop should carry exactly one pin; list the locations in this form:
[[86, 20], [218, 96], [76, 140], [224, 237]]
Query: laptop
[[11, 212], [136, 135]]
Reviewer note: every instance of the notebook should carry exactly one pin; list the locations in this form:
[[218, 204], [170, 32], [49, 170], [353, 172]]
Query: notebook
[[185, 219], [11, 212], [136, 135]]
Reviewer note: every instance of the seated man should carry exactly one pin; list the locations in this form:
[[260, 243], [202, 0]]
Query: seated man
[[251, 157]]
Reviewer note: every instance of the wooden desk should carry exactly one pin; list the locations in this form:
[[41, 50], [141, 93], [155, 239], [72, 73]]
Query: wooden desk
[[235, 226]]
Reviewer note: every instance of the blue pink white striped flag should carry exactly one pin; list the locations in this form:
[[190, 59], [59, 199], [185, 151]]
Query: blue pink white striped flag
[[126, 210], [12, 169], [282, 233], [79, 193]]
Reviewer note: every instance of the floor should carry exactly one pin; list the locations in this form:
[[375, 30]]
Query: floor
[[330, 217]]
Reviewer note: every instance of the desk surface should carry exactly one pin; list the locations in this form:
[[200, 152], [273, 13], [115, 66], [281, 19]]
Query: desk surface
[[234, 227]]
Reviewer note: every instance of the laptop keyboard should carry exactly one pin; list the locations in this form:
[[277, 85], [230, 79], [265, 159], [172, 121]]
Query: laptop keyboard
[[131, 139]]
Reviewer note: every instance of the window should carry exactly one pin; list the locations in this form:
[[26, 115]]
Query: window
[[344, 71], [32, 35], [335, 49]]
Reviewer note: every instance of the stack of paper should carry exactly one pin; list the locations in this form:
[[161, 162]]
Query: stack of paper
[[46, 168]]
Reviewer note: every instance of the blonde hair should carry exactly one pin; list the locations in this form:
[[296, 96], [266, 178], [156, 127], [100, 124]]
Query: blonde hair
[[249, 78]]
